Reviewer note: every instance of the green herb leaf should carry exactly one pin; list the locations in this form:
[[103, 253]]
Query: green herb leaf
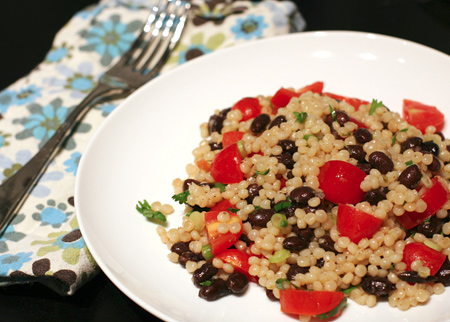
[[264, 173], [374, 105], [233, 210], [145, 209], [408, 163], [206, 283], [181, 198], [333, 113], [394, 139], [221, 186], [279, 283], [334, 311], [351, 288], [301, 116], [282, 205]]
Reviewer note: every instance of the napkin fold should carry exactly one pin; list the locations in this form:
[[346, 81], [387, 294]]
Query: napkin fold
[[43, 243]]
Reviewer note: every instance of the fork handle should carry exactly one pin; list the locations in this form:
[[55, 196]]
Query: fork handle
[[15, 189]]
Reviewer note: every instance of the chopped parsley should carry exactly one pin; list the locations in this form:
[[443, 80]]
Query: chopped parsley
[[221, 186], [374, 105], [263, 173], [334, 311], [333, 113], [394, 139], [408, 163], [282, 205], [301, 116], [181, 198], [145, 209]]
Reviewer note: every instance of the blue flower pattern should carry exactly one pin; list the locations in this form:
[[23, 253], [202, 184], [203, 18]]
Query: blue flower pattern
[[33, 108]]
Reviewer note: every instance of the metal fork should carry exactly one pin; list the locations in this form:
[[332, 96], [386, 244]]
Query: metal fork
[[139, 64]]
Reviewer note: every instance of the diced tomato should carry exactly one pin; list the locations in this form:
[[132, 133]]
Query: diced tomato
[[298, 301], [226, 165], [204, 165], [219, 242], [435, 197], [421, 115], [224, 204], [239, 260], [430, 257], [357, 122], [249, 106], [355, 102], [340, 181], [356, 224], [231, 137], [283, 96]]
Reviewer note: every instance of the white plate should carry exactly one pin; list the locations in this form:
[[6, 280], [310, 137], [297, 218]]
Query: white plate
[[148, 140]]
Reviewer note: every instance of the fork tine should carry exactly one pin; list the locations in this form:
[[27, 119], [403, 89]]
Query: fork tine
[[169, 37], [148, 26]]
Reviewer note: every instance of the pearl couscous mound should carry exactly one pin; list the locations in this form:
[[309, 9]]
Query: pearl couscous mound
[[290, 230]]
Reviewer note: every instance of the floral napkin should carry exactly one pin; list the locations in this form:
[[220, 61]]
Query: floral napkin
[[43, 243]]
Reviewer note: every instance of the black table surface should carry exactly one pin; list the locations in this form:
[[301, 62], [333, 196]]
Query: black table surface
[[27, 29]]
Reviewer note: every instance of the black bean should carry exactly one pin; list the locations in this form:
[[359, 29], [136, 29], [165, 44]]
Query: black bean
[[342, 117], [380, 161], [188, 182], [294, 244], [430, 147], [286, 159], [215, 146], [443, 275], [215, 123], [288, 211], [259, 123], [365, 167], [294, 269], [288, 146], [413, 143], [180, 247], [362, 135], [357, 152], [431, 227], [302, 194], [441, 135], [270, 296], [245, 239], [376, 195], [376, 285], [253, 191], [260, 217], [303, 233], [320, 262], [414, 277], [435, 165], [223, 113], [410, 177], [277, 121], [204, 273], [237, 283], [189, 256], [290, 175], [216, 290], [327, 243]]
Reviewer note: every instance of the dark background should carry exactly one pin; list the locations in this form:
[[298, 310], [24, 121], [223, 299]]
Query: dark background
[[27, 28]]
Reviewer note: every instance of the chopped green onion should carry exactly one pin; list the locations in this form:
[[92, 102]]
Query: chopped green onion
[[374, 105], [279, 255], [279, 220], [206, 252], [240, 145], [145, 209], [301, 116], [334, 311], [432, 245], [282, 205], [333, 113], [198, 218]]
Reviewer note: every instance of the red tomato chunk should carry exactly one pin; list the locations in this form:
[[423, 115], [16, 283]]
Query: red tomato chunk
[[226, 165], [297, 301], [421, 115], [219, 242], [356, 224], [430, 257], [249, 107]]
